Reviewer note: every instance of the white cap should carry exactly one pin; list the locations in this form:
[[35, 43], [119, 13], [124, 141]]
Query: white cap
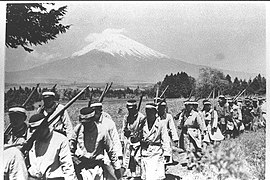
[[48, 93], [96, 105], [17, 109]]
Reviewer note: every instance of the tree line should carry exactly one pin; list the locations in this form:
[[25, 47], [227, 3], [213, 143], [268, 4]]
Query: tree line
[[181, 85]]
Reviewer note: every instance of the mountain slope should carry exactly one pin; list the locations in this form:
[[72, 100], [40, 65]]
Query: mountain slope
[[110, 57]]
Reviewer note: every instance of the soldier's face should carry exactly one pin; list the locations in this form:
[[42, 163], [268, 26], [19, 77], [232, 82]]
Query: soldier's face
[[161, 110], [132, 110], [150, 113], [16, 120], [48, 101], [207, 107], [188, 107]]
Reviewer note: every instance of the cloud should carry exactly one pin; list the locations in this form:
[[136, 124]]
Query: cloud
[[40, 57], [107, 32]]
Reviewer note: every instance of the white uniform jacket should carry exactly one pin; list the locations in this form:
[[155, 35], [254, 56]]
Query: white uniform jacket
[[51, 158], [93, 145], [158, 136], [64, 125], [212, 130], [108, 122], [168, 119], [132, 127]]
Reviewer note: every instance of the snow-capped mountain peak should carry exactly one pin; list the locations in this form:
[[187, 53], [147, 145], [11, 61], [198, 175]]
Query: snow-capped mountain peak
[[118, 44]]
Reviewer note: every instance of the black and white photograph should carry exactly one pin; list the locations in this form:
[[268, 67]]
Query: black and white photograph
[[135, 90]]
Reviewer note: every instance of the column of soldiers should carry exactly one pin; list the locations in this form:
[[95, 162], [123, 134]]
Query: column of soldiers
[[95, 150]]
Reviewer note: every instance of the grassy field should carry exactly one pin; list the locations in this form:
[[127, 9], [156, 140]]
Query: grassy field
[[240, 158]]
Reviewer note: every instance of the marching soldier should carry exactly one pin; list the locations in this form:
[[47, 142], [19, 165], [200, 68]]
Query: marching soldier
[[235, 122], [130, 137], [18, 133], [256, 113], [108, 122], [168, 121], [50, 156], [246, 113], [155, 145], [191, 126], [212, 132], [223, 114], [92, 138], [64, 125]]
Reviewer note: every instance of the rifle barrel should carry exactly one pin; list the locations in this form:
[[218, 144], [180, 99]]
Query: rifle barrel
[[103, 93], [29, 97], [162, 94], [140, 102]]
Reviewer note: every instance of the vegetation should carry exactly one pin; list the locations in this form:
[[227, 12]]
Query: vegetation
[[30, 24]]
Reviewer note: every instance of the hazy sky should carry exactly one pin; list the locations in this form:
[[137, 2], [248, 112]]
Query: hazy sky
[[225, 35]]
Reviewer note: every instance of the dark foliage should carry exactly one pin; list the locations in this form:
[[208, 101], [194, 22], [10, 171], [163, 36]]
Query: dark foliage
[[29, 24]]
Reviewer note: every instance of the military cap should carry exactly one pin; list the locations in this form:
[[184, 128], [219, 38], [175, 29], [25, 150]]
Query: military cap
[[194, 102], [221, 97], [187, 102], [150, 106], [48, 94], [131, 103], [206, 102], [36, 120], [19, 110], [86, 113], [157, 99]]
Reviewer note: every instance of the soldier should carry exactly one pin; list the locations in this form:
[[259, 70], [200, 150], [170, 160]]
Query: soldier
[[130, 137], [64, 125], [169, 122], [108, 122], [212, 132], [223, 114], [18, 134], [92, 138], [236, 121], [257, 114], [155, 145], [50, 156], [246, 113], [14, 165], [262, 106], [191, 126]]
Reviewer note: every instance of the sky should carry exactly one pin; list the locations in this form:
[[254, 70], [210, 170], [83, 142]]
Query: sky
[[227, 35]]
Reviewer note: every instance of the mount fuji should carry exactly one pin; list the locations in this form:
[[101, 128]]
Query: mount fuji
[[109, 57]]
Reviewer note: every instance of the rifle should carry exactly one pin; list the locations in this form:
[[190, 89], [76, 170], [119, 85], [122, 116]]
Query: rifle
[[140, 102], [9, 128], [53, 88], [210, 94], [162, 94], [45, 123], [90, 100], [107, 88], [157, 94], [190, 94]]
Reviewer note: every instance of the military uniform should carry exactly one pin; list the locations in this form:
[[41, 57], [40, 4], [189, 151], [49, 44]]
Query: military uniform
[[131, 142], [14, 165], [155, 146], [50, 158], [90, 145], [17, 136], [212, 131]]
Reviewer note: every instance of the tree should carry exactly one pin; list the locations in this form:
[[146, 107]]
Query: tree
[[30, 24], [210, 79]]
